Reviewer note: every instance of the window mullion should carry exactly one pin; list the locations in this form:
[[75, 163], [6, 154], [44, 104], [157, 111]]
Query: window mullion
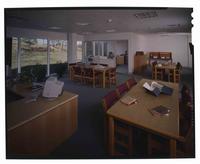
[[48, 57]]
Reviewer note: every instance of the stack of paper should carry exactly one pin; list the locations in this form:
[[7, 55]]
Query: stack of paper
[[156, 88]]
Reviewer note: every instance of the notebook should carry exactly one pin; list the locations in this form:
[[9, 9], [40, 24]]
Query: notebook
[[128, 100], [160, 111]]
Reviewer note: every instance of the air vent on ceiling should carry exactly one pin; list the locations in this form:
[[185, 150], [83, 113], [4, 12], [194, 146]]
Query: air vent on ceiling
[[174, 25], [146, 15]]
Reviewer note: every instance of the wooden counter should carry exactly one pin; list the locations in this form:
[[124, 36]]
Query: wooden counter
[[36, 128]]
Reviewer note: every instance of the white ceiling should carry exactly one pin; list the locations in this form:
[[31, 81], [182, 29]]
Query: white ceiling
[[122, 19]]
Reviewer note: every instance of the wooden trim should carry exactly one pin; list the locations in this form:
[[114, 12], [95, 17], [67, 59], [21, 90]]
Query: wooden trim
[[172, 148], [111, 145], [42, 113]]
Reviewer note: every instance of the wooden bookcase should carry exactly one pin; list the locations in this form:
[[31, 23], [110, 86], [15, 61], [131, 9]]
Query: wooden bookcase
[[139, 63]]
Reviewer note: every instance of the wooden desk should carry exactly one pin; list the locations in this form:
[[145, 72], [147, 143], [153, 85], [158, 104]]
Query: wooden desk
[[36, 128], [166, 67], [138, 115]]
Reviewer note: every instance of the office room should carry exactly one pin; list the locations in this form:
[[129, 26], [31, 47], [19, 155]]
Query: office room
[[99, 83]]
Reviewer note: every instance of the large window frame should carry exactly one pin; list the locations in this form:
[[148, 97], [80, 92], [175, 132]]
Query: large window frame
[[48, 53], [98, 48]]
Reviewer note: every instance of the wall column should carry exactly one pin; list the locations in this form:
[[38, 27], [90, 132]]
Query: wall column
[[19, 55]]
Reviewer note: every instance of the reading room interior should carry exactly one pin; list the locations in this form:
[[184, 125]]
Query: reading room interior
[[99, 83]]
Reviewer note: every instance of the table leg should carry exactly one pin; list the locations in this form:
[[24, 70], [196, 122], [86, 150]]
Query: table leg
[[104, 80], [172, 148], [155, 73], [174, 75], [111, 145]]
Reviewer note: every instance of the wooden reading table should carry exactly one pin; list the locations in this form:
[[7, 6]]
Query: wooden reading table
[[138, 115]]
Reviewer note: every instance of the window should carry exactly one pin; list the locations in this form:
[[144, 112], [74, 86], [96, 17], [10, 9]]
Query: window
[[79, 50], [58, 56], [98, 48], [58, 51], [33, 52], [105, 49], [89, 48], [33, 59]]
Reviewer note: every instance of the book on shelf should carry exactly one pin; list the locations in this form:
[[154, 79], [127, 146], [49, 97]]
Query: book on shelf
[[128, 100], [156, 88], [160, 111]]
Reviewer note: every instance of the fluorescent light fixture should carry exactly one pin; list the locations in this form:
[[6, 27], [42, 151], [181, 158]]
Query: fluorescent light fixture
[[82, 23], [110, 30], [86, 33], [145, 15], [54, 28]]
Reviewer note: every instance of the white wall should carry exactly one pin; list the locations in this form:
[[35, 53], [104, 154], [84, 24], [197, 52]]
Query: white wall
[[176, 43], [118, 47], [72, 46], [128, 36]]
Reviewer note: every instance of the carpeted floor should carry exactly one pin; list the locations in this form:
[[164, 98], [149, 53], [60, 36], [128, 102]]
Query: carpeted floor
[[88, 141]]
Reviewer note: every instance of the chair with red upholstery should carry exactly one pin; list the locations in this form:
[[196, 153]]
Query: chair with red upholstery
[[130, 83], [121, 89], [109, 100], [123, 132]]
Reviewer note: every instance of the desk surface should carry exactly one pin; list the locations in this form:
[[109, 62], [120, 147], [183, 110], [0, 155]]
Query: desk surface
[[139, 115], [20, 112], [169, 66]]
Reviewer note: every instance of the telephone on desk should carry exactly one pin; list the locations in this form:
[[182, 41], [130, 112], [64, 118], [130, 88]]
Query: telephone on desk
[[52, 88]]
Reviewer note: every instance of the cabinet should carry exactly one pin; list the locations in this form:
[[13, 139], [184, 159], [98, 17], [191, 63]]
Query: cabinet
[[120, 60], [38, 127], [139, 63]]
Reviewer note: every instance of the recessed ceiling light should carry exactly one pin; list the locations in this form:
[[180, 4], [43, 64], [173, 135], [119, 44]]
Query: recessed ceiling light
[[109, 20], [111, 30], [82, 23], [54, 28]]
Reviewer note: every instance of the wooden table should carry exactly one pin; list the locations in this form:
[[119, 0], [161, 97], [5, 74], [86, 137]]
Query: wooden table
[[103, 71], [166, 67], [138, 115], [97, 68], [37, 128]]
